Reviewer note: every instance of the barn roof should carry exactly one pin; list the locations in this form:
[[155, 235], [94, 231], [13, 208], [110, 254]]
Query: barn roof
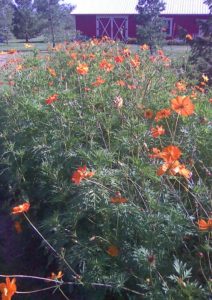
[[102, 7]]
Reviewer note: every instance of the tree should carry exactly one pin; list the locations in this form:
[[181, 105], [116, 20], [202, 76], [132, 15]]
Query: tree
[[26, 21], [56, 17], [6, 17], [150, 25], [201, 50]]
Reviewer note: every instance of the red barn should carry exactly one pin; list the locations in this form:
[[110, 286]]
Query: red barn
[[117, 18]]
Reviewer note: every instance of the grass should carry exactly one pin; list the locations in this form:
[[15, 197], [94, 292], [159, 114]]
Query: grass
[[174, 51], [19, 45]]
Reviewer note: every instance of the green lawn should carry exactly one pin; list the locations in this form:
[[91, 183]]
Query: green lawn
[[37, 43]]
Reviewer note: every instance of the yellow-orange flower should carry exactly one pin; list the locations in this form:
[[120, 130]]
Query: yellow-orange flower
[[205, 225], [182, 105], [82, 69], [205, 77], [57, 276], [21, 208], [8, 289], [19, 68], [28, 45], [157, 131], [144, 47], [113, 251], [189, 37], [52, 72]]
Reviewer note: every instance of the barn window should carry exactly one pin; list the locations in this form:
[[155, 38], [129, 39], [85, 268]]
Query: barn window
[[168, 24]]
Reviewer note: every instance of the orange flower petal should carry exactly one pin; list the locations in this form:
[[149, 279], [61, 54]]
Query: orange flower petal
[[21, 208], [113, 251]]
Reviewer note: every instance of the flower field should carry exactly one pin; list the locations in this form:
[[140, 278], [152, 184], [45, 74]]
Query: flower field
[[107, 154]]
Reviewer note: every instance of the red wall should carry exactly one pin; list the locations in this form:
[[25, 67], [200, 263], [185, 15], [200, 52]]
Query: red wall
[[87, 24], [189, 23]]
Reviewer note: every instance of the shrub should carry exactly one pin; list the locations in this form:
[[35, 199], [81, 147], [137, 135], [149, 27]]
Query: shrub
[[111, 149]]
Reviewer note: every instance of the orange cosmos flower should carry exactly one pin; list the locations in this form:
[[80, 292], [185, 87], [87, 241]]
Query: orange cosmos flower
[[113, 251], [160, 53], [189, 37], [155, 153], [119, 59], [162, 114], [135, 62], [82, 69], [166, 60], [21, 208], [148, 114], [19, 68], [104, 64], [205, 225], [174, 169], [52, 99], [57, 276], [131, 86], [91, 56], [182, 105], [52, 72], [73, 55], [8, 289], [170, 153], [98, 81], [120, 83], [118, 198], [156, 132], [126, 52], [144, 47], [181, 86], [80, 174]]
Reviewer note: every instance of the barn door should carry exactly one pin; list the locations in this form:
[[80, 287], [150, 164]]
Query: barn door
[[115, 27]]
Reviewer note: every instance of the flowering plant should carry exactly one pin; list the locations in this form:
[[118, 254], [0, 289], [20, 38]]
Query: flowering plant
[[109, 146]]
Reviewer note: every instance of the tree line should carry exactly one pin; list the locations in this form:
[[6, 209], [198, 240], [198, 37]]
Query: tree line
[[26, 19]]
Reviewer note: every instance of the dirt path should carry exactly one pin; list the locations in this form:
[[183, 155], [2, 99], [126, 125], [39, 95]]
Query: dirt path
[[3, 59]]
